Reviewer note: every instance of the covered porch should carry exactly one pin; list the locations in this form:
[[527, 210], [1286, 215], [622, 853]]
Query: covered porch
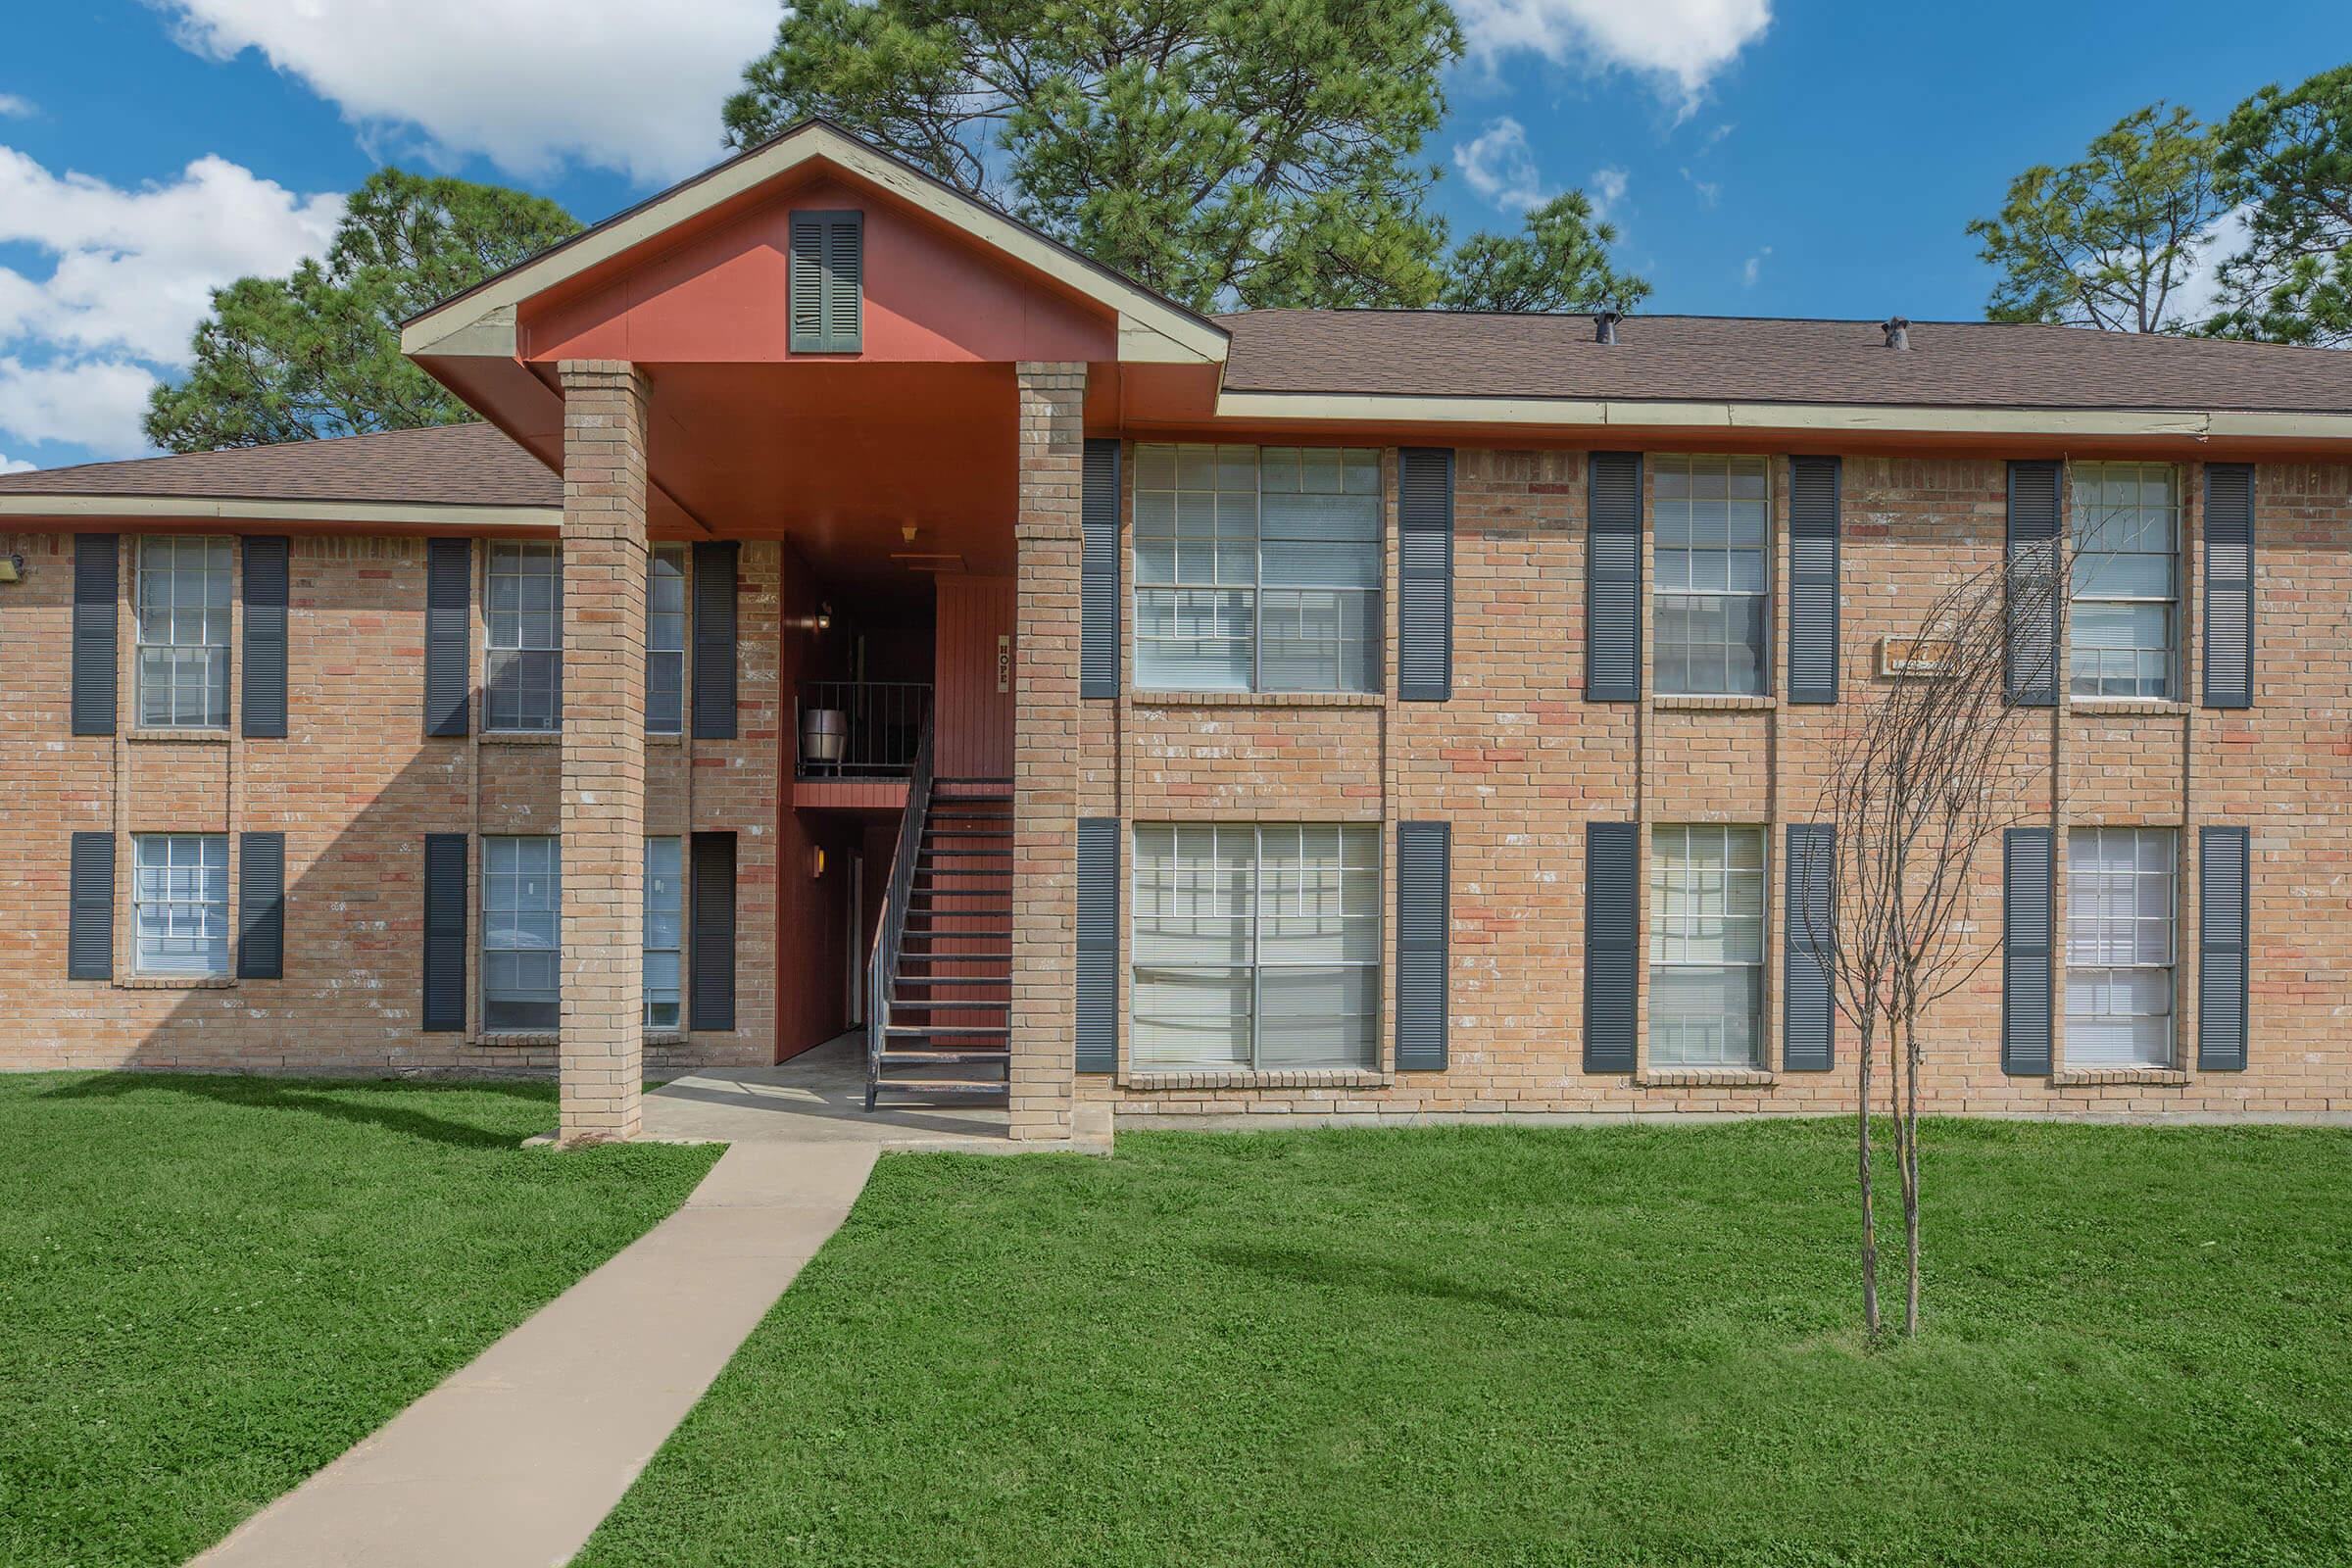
[[813, 351]]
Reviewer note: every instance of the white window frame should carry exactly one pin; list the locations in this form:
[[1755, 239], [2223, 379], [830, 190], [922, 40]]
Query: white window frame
[[1214, 504], [177, 633], [1755, 603], [670, 901], [506, 639], [2115, 961], [186, 886], [666, 635], [1357, 865], [1672, 934], [2094, 517], [488, 945]]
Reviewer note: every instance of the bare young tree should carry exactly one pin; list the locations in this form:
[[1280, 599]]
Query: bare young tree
[[1924, 777]]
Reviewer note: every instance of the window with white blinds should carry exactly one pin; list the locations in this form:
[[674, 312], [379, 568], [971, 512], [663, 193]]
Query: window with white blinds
[[524, 622], [2119, 884], [522, 943], [1255, 946], [664, 929], [1711, 521], [183, 604], [666, 640], [2126, 579], [1257, 568], [180, 905], [1706, 946]]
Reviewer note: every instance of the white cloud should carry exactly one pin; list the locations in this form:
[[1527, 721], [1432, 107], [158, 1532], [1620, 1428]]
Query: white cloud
[[2197, 294], [531, 84], [1709, 192], [1753, 268], [91, 402], [1501, 166], [8, 464], [1608, 189], [13, 107], [133, 272], [1680, 44]]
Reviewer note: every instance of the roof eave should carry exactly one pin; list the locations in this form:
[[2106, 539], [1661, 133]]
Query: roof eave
[[1828, 419]]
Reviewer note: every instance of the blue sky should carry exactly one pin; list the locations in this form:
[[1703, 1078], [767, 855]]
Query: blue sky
[[1761, 157]]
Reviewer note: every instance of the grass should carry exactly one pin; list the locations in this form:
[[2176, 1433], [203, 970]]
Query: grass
[[213, 1286], [1515, 1347]]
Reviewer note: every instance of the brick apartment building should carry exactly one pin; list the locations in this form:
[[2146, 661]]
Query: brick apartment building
[[854, 602]]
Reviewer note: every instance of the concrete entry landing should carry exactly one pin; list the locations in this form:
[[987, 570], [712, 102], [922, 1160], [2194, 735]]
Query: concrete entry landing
[[818, 1097]]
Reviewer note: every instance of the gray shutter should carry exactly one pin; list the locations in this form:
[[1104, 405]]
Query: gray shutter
[[444, 933], [448, 637], [262, 683], [827, 282], [260, 906], [2225, 881], [1613, 579], [1098, 953], [1424, 902], [90, 909], [2229, 585], [2028, 869], [2033, 537], [93, 658], [1612, 869], [710, 897], [1098, 573], [1815, 487], [1425, 574], [1808, 1012], [715, 574]]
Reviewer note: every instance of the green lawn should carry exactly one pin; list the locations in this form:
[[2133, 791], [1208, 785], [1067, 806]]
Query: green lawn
[[209, 1286], [1475, 1346]]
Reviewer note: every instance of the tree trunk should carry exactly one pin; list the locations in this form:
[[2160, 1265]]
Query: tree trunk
[[1870, 1215], [1910, 1158]]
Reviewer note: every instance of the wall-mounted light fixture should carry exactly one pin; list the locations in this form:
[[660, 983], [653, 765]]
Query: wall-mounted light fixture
[[816, 862], [11, 568], [825, 616]]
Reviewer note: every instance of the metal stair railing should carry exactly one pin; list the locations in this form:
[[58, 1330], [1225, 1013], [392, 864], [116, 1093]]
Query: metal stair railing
[[883, 968]]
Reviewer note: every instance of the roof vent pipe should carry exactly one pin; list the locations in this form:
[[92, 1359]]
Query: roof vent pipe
[[1898, 332], [1604, 325]]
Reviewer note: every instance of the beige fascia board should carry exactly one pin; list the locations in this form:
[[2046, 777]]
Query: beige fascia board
[[1180, 338], [215, 509], [1827, 418]]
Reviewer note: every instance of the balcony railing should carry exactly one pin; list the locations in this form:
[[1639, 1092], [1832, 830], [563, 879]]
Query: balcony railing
[[860, 728]]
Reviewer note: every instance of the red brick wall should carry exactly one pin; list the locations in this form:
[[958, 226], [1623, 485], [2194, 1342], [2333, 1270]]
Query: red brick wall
[[355, 787], [1519, 763]]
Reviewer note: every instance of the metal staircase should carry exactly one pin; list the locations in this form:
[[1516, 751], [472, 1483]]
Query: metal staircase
[[939, 989]]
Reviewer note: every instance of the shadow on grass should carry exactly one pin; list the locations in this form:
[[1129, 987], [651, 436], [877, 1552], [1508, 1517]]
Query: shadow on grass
[[333, 1104], [1325, 1271]]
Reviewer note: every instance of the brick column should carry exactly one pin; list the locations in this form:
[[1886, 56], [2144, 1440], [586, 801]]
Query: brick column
[[1045, 747], [602, 1036]]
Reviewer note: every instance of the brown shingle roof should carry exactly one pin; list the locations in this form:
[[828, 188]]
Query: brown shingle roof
[[1742, 360], [451, 464]]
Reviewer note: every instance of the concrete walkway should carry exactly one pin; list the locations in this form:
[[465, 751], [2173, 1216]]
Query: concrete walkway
[[513, 1461]]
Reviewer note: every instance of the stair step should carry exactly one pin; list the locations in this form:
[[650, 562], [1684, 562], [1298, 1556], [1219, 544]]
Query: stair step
[[954, 979], [955, 957], [953, 1003], [943, 1058], [943, 1086], [930, 854], [924, 1030]]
